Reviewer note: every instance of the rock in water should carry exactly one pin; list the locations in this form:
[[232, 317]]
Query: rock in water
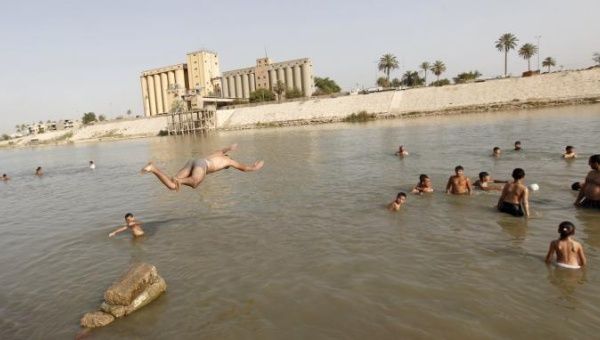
[[148, 295], [96, 319], [135, 281]]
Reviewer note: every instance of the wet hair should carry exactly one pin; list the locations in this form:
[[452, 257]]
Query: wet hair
[[496, 148], [569, 147], [595, 158], [38, 168], [482, 175], [459, 167], [566, 229], [400, 194], [518, 173], [423, 177], [128, 215], [518, 142], [576, 186], [91, 162]]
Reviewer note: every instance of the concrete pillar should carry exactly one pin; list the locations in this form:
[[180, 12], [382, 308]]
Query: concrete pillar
[[231, 82], [289, 78], [306, 81], [272, 78], [171, 79], [238, 86], [152, 95], [165, 96], [145, 96], [281, 75], [245, 86], [158, 90], [225, 85], [180, 79], [252, 82], [297, 80]]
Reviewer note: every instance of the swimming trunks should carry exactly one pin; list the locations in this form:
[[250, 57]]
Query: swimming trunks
[[568, 266], [201, 163], [511, 208], [586, 203]]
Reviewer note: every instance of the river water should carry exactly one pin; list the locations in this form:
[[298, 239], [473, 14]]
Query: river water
[[304, 248]]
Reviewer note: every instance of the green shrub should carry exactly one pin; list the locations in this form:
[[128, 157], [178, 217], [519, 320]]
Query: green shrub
[[362, 116]]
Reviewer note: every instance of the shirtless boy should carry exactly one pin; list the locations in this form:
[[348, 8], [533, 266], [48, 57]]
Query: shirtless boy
[[589, 195], [514, 199], [569, 253], [132, 224], [398, 202], [569, 152], [424, 185], [39, 171], [484, 181], [401, 151], [194, 171], [5, 177], [518, 146], [458, 184], [496, 152]]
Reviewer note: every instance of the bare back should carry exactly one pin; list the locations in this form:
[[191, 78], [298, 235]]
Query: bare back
[[591, 187], [568, 252]]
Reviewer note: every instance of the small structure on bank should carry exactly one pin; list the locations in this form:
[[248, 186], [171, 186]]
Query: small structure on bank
[[138, 287]]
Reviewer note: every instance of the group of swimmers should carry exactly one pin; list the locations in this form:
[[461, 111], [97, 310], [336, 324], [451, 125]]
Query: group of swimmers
[[514, 199], [39, 171]]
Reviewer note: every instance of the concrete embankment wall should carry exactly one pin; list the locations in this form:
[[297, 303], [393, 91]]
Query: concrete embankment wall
[[542, 88]]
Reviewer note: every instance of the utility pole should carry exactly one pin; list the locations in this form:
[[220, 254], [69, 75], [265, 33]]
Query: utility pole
[[538, 37]]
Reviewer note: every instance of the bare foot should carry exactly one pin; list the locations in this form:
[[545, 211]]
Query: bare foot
[[258, 165], [148, 168], [177, 184]]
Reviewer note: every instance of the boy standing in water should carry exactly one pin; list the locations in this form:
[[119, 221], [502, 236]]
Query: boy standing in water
[[130, 223], [401, 151], [458, 184], [496, 152], [589, 195], [398, 202], [484, 181], [424, 185], [514, 199], [569, 152], [569, 253], [518, 146]]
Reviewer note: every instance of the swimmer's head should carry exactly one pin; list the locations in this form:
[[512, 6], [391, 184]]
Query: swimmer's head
[[566, 229], [570, 148], [39, 168], [129, 217], [483, 176], [518, 145], [518, 174], [91, 162], [400, 198], [497, 150], [401, 148], [459, 169], [594, 161], [576, 186], [423, 178]]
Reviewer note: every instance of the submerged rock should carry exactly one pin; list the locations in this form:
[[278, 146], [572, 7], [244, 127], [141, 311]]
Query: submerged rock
[[96, 319], [138, 277], [145, 297]]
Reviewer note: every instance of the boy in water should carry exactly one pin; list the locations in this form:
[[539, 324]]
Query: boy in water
[[424, 185], [518, 146], [458, 184], [130, 223], [39, 172], [5, 177], [514, 199], [398, 202], [194, 171], [401, 151], [92, 165], [496, 152], [589, 195], [569, 152], [484, 181], [569, 253]]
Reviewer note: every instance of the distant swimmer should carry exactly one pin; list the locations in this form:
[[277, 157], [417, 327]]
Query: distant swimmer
[[401, 151], [424, 185], [518, 146], [569, 253], [458, 184], [514, 199], [576, 186], [194, 171], [496, 152], [39, 171], [5, 177], [569, 152], [589, 195], [398, 202], [132, 224], [485, 182], [92, 165]]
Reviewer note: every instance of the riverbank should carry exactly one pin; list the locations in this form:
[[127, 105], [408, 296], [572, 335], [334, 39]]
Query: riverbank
[[546, 90]]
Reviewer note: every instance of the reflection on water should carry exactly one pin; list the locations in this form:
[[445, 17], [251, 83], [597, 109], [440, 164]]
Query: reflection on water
[[305, 248]]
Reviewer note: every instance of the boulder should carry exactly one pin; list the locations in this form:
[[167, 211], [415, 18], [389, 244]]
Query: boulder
[[145, 297], [130, 285], [96, 319]]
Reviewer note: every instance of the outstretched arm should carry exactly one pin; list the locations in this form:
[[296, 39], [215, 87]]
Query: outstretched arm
[[121, 229]]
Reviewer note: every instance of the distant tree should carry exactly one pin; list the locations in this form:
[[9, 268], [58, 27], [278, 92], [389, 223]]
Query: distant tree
[[261, 95], [441, 82], [411, 78], [505, 43], [596, 58], [466, 77], [129, 112], [177, 105], [396, 82], [387, 63], [527, 51], [326, 86], [383, 82], [438, 68], [549, 62], [23, 127], [425, 66], [279, 89], [18, 128], [40, 122], [5, 137], [101, 118], [293, 93], [88, 118]]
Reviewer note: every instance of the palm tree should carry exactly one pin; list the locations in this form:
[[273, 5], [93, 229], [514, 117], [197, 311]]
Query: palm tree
[[438, 68], [505, 43], [425, 66], [411, 78], [387, 63], [279, 88], [597, 58], [548, 62], [527, 51]]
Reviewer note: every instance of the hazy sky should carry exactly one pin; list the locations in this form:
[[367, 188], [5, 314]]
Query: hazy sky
[[62, 58]]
